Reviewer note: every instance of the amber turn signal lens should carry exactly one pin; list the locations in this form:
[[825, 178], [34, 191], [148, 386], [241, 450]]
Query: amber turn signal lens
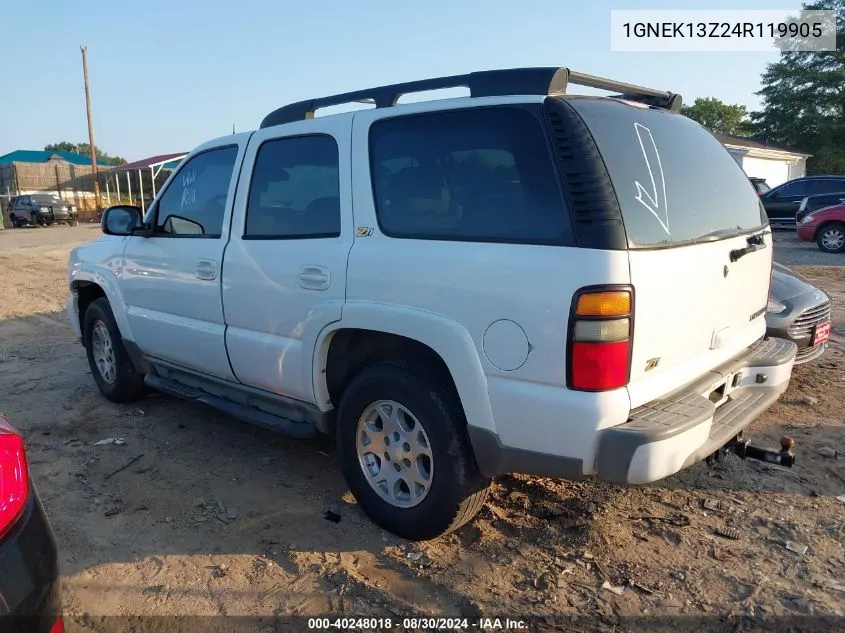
[[611, 303]]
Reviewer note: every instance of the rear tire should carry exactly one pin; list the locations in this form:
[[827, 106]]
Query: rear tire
[[113, 371], [421, 423], [831, 237]]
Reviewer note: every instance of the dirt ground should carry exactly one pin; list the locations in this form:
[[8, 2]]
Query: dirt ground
[[214, 517]]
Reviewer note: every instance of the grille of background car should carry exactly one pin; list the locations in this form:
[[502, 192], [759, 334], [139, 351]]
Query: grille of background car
[[804, 325]]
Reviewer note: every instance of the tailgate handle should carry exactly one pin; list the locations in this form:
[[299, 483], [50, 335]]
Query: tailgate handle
[[755, 243]]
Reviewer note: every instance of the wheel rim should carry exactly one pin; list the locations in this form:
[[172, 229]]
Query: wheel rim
[[394, 454], [103, 352], [833, 239]]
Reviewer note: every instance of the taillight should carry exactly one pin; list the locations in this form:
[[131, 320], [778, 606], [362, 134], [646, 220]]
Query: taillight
[[14, 477], [58, 627], [600, 330]]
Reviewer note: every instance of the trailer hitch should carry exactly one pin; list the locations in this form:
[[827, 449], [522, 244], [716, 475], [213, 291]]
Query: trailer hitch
[[785, 457], [742, 448]]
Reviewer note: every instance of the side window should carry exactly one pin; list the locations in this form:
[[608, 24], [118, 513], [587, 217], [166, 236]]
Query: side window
[[23, 201], [294, 193], [800, 188], [480, 174], [195, 201], [828, 186]]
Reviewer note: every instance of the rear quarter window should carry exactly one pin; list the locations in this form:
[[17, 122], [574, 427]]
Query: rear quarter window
[[674, 181], [483, 174]]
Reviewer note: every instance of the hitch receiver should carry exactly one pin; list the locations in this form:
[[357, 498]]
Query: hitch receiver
[[743, 449]]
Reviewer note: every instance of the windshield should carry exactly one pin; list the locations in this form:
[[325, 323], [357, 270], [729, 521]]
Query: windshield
[[47, 199], [674, 181]]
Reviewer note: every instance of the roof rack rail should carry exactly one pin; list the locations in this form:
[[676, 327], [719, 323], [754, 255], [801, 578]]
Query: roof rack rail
[[488, 83]]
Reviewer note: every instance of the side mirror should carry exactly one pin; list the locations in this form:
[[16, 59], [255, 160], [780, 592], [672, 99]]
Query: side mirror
[[121, 220]]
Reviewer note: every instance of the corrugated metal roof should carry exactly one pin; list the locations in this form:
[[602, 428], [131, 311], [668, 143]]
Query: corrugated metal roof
[[42, 156], [170, 161]]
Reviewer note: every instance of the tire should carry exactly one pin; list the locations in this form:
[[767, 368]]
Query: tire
[[35, 220], [456, 490], [74, 222], [831, 237], [119, 381]]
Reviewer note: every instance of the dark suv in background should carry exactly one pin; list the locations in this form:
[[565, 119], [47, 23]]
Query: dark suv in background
[[783, 202], [41, 209], [760, 185]]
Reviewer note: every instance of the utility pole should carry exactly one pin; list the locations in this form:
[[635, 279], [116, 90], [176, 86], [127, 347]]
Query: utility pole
[[95, 172]]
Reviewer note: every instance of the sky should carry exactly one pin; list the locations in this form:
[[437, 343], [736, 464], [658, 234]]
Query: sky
[[167, 75]]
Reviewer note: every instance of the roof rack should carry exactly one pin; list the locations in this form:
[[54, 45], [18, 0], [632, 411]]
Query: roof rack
[[488, 83]]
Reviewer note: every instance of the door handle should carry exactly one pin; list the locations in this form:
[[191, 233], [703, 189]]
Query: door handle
[[206, 269], [314, 277]]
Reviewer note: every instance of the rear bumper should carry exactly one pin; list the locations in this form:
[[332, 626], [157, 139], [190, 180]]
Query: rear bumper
[[30, 588], [667, 435]]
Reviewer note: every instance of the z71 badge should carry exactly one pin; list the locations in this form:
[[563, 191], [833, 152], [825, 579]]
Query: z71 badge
[[363, 231]]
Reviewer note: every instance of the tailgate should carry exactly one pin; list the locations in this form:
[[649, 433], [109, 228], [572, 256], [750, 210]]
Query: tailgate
[[686, 206], [694, 310]]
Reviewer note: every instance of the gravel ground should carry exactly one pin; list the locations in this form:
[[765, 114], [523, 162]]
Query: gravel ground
[[214, 517]]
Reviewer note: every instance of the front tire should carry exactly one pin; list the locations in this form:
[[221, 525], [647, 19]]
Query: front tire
[[405, 453], [110, 364], [831, 237]]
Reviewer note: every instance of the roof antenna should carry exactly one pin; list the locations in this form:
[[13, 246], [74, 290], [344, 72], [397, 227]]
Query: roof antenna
[[233, 128]]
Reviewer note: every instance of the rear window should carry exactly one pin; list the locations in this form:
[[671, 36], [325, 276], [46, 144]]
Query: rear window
[[480, 174], [674, 181], [46, 199]]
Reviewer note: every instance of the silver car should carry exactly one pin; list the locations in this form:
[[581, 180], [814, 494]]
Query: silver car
[[798, 311]]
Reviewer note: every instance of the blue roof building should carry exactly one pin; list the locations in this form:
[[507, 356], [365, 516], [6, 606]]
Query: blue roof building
[[44, 156]]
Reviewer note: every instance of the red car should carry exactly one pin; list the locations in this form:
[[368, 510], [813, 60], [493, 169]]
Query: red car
[[30, 588], [826, 227]]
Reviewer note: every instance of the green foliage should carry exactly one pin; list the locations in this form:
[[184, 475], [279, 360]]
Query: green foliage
[[718, 116], [804, 100], [85, 150]]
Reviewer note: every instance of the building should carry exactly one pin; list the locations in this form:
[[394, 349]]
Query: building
[[66, 174], [773, 162]]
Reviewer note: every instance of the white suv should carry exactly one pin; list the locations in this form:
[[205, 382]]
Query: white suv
[[521, 281]]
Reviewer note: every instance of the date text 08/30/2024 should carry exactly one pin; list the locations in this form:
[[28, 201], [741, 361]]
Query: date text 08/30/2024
[[426, 624]]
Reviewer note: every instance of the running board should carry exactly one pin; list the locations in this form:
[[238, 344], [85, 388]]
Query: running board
[[242, 412]]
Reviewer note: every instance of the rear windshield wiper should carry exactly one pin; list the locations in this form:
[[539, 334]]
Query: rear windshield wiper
[[718, 234], [755, 243]]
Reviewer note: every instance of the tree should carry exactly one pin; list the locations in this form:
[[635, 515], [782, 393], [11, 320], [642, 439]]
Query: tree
[[85, 150], [804, 99], [718, 116]]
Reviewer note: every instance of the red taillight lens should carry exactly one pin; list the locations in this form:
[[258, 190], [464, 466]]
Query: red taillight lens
[[599, 366], [14, 477], [600, 339], [58, 627]]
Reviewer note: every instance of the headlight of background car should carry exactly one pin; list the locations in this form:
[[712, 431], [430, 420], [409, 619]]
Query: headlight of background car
[[807, 218], [44, 210], [775, 307]]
